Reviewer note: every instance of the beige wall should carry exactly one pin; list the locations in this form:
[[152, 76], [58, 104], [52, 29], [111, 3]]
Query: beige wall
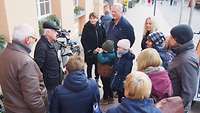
[[89, 8], [17, 13], [56, 8], [67, 12], [98, 7], [3, 20]]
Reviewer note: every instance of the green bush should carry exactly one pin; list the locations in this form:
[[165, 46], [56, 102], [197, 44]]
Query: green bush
[[77, 10], [48, 18]]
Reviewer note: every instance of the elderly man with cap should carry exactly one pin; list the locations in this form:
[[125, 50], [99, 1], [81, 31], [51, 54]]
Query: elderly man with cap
[[184, 68], [46, 57], [21, 79]]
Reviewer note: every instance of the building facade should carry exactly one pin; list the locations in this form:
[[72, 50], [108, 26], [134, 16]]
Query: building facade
[[72, 13]]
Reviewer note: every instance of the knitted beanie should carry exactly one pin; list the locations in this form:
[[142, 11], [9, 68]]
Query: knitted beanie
[[182, 33], [157, 38], [108, 45], [124, 43]]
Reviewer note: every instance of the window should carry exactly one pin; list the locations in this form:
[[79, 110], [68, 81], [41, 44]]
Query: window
[[76, 2], [44, 8]]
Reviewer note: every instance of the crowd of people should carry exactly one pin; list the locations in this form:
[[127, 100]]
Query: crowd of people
[[167, 66]]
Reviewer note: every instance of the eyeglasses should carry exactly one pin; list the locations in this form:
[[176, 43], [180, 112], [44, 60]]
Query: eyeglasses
[[35, 39]]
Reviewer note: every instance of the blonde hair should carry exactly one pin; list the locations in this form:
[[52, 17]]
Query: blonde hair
[[148, 57], [154, 25], [76, 62], [137, 86]]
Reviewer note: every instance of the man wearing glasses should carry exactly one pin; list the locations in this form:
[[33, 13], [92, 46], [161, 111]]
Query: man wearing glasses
[[21, 79], [46, 57]]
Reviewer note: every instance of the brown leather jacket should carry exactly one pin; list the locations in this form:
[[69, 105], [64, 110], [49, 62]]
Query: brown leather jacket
[[21, 81]]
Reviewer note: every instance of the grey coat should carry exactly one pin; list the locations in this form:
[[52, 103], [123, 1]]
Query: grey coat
[[184, 72]]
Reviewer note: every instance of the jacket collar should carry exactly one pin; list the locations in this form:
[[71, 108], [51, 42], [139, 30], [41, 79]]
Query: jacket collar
[[44, 39], [120, 21], [137, 101], [18, 46], [184, 47]]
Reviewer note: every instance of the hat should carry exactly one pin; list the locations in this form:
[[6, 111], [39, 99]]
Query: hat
[[182, 33], [156, 37], [108, 45], [50, 25], [124, 43]]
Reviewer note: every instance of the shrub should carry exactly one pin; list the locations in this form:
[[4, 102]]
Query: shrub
[[48, 18]]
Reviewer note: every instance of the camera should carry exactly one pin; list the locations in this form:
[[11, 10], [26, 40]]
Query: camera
[[63, 33], [65, 46]]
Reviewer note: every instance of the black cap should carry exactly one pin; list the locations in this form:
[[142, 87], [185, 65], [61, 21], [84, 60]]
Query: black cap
[[182, 33], [50, 25]]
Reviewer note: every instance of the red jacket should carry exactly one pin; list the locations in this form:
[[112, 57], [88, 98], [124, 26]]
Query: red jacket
[[161, 83]]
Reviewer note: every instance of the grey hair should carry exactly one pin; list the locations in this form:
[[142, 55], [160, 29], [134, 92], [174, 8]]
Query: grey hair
[[22, 31], [45, 31], [118, 6]]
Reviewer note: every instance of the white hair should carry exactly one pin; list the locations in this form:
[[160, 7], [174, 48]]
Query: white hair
[[118, 6], [22, 31], [46, 31]]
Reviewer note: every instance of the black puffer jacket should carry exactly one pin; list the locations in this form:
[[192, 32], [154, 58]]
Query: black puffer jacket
[[46, 57]]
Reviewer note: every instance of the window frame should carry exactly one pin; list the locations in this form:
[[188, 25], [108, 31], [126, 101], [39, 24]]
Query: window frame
[[39, 9]]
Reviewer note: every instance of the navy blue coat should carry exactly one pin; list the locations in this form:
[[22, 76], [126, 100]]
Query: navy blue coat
[[123, 67], [123, 30], [46, 57], [76, 95], [135, 106]]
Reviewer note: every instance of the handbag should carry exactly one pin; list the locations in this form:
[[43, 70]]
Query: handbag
[[171, 105], [104, 70]]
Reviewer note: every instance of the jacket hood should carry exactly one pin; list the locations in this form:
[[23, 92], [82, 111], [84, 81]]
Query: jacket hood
[[129, 56], [136, 105], [183, 47], [76, 81]]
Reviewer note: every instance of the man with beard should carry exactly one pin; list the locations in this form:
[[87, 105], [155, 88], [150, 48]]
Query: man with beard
[[21, 79]]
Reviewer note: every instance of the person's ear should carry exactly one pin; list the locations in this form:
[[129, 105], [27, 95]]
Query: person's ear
[[27, 40]]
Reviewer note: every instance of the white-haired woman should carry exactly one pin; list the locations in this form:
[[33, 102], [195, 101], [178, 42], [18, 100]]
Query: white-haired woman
[[137, 92]]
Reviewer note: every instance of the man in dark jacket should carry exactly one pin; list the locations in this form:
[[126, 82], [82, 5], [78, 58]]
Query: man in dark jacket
[[106, 18], [46, 57], [21, 79], [184, 69], [92, 38], [77, 94], [119, 26]]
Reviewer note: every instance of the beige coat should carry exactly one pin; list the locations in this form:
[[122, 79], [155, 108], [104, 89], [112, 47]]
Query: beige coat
[[21, 81]]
